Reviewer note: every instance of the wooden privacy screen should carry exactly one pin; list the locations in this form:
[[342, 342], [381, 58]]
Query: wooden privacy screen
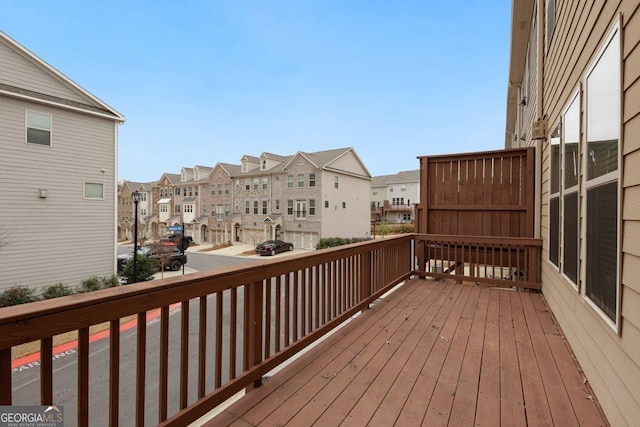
[[478, 194]]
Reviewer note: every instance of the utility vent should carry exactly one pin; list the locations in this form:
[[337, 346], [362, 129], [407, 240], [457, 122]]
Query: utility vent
[[539, 129]]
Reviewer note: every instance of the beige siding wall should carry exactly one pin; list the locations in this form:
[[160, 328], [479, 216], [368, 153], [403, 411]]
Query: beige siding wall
[[611, 360], [19, 72], [60, 238], [354, 219], [527, 114]]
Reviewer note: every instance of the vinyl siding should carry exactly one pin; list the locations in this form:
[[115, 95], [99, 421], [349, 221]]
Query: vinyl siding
[[352, 221], [61, 238], [611, 360], [348, 163], [23, 73]]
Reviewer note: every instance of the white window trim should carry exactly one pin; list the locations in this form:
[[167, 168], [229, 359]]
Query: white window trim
[[26, 127], [575, 97], [557, 194], [84, 190], [586, 184]]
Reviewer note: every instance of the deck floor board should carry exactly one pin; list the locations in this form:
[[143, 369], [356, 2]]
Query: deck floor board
[[431, 353]]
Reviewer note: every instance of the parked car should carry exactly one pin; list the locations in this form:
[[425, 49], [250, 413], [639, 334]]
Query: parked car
[[272, 247], [169, 256], [175, 238]]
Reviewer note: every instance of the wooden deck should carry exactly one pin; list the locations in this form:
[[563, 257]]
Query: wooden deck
[[432, 353]]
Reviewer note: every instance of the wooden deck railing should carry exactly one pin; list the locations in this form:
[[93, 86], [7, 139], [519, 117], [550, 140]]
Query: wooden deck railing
[[249, 320], [489, 260]]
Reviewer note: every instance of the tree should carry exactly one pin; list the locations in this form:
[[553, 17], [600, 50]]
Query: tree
[[146, 269]]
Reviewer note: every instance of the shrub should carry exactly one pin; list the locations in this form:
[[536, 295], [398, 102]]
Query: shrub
[[110, 281], [57, 290], [330, 242], [146, 269], [89, 284], [17, 295]]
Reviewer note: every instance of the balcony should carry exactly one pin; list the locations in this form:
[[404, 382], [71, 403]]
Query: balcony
[[442, 347]]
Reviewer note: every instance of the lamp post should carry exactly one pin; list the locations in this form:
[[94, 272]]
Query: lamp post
[[136, 198]]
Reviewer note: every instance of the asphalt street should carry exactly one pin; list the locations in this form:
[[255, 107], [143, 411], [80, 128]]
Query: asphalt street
[[25, 378]]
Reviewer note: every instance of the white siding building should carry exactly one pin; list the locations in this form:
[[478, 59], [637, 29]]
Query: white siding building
[[58, 176]]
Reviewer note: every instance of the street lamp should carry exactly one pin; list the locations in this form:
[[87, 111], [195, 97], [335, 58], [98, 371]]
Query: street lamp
[[136, 198]]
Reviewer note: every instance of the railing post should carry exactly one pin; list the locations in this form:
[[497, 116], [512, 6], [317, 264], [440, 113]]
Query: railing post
[[422, 266], [534, 266], [253, 326], [365, 276]]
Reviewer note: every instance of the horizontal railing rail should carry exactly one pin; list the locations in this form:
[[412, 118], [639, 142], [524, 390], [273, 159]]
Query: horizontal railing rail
[[500, 261], [248, 320]]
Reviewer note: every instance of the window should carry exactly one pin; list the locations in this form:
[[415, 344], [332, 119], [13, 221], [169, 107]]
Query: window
[[263, 165], [290, 181], [247, 207], [336, 182], [219, 188], [277, 204], [256, 182], [554, 197], [204, 209], [237, 184], [188, 208], [195, 190], [227, 209], [190, 191], [289, 207], [38, 128], [176, 209], [93, 190], [164, 208], [143, 212], [247, 184], [326, 203], [550, 19], [301, 180], [213, 190], [236, 206], [255, 207], [226, 189], [312, 207], [301, 209], [602, 132], [570, 174], [264, 207], [177, 191], [344, 205], [312, 180], [265, 182]]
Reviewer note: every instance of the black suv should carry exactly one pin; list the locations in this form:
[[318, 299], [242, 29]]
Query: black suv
[[168, 255]]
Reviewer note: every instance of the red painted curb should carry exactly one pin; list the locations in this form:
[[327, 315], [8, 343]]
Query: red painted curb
[[35, 357]]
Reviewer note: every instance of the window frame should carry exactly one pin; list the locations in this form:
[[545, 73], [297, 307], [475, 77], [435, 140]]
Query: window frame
[[27, 127], [576, 98], [615, 176], [84, 190], [555, 140]]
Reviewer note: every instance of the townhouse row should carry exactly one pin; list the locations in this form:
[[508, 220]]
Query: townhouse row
[[298, 198]]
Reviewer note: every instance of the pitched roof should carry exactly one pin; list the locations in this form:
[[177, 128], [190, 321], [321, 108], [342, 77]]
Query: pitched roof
[[232, 170], [95, 107], [400, 177], [323, 158]]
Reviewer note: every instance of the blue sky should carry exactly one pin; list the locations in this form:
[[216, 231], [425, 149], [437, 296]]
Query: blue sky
[[202, 82]]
